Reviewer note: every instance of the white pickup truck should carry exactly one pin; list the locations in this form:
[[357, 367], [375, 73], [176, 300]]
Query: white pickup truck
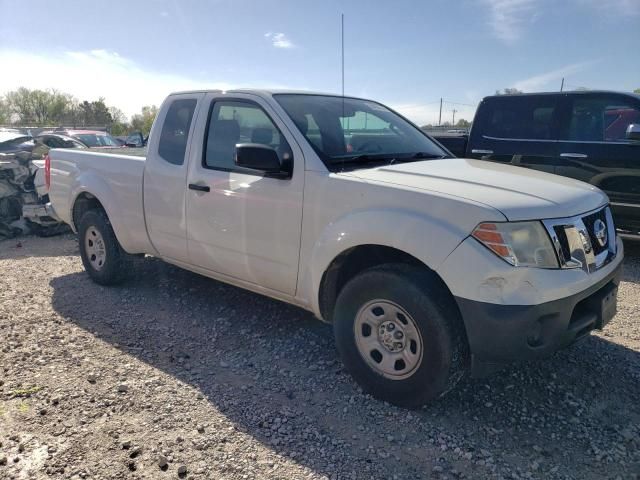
[[428, 266]]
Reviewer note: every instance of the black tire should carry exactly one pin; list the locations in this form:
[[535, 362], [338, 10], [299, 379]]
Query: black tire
[[117, 264], [421, 294]]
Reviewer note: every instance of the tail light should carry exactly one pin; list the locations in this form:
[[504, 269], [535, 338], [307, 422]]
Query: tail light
[[47, 171]]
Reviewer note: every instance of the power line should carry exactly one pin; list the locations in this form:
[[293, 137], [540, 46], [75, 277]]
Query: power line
[[443, 101]]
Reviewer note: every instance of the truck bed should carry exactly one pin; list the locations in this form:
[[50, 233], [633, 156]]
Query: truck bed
[[115, 180], [455, 143]]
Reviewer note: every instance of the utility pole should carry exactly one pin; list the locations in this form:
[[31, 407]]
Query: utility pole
[[562, 84], [440, 116], [454, 117]]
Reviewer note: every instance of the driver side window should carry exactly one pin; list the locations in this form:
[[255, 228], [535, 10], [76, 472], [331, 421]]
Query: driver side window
[[235, 122]]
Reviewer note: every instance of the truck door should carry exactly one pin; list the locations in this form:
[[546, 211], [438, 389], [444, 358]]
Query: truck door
[[517, 129], [594, 148], [240, 222], [166, 173]]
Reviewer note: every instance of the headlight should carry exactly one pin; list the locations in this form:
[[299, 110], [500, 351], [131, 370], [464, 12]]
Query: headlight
[[522, 244]]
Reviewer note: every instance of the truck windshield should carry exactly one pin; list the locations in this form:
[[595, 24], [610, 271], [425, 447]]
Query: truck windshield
[[351, 133]]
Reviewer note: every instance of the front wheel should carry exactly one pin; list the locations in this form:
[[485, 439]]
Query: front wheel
[[102, 256], [400, 335]]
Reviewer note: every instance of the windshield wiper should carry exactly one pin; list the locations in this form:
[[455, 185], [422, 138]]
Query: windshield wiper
[[363, 159], [386, 158], [424, 155]]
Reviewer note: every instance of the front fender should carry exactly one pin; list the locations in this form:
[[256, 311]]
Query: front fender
[[89, 182], [430, 240]]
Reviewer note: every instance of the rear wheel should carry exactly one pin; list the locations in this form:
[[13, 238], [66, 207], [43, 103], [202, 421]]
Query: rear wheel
[[400, 334], [102, 256]]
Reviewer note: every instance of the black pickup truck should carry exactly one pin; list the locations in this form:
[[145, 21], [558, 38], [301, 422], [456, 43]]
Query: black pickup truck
[[592, 136]]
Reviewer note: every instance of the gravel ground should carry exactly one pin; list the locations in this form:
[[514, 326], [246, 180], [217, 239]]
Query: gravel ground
[[177, 376]]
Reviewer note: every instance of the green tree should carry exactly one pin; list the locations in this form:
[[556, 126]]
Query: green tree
[[119, 124], [637, 90], [95, 113], [143, 121], [462, 123], [39, 107], [508, 91], [5, 113]]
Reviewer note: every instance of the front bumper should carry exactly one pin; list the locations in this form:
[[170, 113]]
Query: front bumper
[[500, 333]]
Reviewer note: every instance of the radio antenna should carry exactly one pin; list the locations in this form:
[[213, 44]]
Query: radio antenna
[[342, 46], [342, 58]]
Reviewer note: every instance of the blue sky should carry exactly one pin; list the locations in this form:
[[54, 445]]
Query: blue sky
[[407, 54]]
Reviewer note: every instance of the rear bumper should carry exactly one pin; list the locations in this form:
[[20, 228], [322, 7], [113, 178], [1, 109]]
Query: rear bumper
[[41, 213], [500, 334]]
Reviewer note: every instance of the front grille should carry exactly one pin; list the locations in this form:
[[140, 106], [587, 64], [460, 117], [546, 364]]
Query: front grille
[[589, 223], [576, 243], [564, 251]]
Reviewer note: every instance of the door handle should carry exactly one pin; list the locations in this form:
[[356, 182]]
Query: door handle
[[574, 155], [482, 152], [199, 188]]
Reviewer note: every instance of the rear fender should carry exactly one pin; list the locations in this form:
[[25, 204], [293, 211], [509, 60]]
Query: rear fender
[[89, 182]]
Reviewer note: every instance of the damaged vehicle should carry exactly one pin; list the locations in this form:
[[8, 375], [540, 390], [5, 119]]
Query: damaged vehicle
[[427, 266], [24, 206]]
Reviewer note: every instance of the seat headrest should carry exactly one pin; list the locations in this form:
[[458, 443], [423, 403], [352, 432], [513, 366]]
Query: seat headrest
[[226, 129], [262, 135]]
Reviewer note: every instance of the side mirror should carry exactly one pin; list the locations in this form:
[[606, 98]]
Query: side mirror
[[257, 156], [633, 131]]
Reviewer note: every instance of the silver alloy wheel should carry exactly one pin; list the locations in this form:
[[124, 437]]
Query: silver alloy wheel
[[95, 248], [388, 339]]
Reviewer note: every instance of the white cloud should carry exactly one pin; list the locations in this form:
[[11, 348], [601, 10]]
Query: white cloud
[[552, 78], [88, 75], [279, 40], [509, 18]]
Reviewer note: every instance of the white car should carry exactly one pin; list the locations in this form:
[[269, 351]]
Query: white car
[[427, 266]]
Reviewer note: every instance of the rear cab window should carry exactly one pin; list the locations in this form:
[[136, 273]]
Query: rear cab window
[[174, 136]]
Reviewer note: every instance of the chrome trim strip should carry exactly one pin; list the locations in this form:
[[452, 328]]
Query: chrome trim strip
[[581, 254], [629, 236], [487, 137], [482, 152], [619, 204], [574, 155], [624, 142]]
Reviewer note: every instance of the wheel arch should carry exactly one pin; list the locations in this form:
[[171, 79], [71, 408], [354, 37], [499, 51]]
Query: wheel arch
[[396, 235], [352, 261], [85, 200]]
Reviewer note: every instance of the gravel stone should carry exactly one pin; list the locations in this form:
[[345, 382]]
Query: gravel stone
[[238, 386], [162, 462]]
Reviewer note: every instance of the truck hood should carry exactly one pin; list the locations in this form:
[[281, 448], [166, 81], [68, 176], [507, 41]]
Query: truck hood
[[519, 193]]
